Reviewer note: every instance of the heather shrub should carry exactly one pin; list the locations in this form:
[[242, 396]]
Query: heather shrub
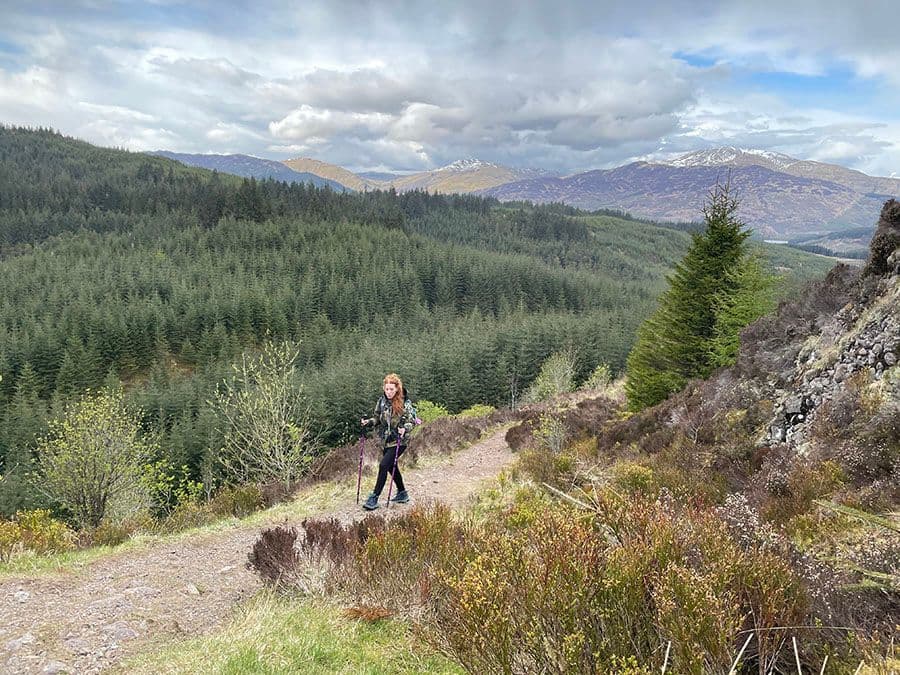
[[543, 466], [570, 594], [187, 515], [314, 559], [548, 589], [793, 488], [408, 546], [273, 556], [527, 506], [109, 533], [633, 477]]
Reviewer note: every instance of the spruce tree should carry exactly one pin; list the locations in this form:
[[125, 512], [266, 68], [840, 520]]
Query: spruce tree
[[753, 296], [675, 343]]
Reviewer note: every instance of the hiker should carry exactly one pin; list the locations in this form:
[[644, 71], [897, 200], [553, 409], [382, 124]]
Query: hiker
[[394, 417]]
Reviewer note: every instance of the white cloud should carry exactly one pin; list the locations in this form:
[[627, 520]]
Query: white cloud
[[115, 112]]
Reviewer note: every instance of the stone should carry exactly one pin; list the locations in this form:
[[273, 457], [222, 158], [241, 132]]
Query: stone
[[120, 631], [17, 644], [22, 596], [54, 668], [78, 646], [890, 358], [793, 405], [192, 589]]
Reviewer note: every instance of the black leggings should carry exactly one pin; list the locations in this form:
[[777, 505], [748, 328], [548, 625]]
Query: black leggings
[[385, 467]]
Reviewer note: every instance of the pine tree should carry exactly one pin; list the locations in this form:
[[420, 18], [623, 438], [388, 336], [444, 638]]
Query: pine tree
[[675, 343]]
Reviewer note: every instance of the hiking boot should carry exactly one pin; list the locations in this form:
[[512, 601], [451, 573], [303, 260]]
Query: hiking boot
[[371, 503], [402, 497]]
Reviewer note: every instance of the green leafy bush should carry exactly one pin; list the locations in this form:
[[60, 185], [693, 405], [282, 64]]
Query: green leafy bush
[[556, 377], [237, 501], [598, 380], [92, 458], [428, 411], [477, 410]]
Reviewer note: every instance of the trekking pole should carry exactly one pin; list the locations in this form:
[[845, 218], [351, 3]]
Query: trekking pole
[[394, 470], [362, 448]]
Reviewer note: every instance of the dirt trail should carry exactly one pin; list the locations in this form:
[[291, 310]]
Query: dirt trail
[[83, 622]]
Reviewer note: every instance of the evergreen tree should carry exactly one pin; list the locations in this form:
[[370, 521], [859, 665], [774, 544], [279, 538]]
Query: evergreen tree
[[675, 343], [753, 297]]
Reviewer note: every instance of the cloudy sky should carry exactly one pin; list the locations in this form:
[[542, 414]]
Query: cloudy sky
[[415, 85]]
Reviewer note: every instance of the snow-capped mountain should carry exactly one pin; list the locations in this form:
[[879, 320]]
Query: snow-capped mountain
[[731, 156], [469, 164]]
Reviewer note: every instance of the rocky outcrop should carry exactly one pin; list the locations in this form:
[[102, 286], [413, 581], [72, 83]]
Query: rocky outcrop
[[861, 343], [886, 240]]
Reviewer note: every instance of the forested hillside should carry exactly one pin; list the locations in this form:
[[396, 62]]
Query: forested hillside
[[118, 266]]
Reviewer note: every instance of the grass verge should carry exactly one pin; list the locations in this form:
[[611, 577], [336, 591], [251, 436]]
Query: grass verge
[[273, 634]]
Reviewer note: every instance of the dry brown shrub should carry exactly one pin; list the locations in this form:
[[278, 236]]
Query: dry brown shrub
[[368, 613], [273, 556]]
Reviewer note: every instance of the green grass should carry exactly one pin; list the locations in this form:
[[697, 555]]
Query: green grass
[[273, 634]]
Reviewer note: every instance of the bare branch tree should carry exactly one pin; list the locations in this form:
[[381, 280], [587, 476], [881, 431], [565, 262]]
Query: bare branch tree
[[268, 433]]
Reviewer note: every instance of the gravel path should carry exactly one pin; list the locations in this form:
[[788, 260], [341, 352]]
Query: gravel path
[[85, 621]]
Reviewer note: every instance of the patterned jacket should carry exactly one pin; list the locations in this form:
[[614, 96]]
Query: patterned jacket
[[387, 423]]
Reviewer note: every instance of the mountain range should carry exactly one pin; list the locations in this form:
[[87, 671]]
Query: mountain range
[[252, 167], [781, 197]]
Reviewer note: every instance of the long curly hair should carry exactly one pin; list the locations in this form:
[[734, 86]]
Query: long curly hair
[[397, 401]]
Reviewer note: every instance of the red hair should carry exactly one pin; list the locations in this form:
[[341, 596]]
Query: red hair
[[397, 401]]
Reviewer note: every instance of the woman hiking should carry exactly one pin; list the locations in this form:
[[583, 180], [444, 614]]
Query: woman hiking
[[394, 418]]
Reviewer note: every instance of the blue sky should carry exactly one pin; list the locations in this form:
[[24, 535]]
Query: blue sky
[[415, 85]]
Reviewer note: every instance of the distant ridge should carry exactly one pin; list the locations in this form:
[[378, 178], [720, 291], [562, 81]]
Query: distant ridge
[[331, 172], [463, 176], [250, 167]]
